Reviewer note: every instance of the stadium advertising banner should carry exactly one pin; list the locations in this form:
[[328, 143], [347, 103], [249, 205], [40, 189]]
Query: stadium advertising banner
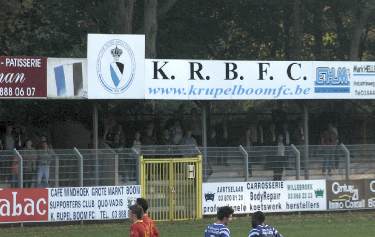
[[66, 78], [67, 204], [342, 195], [116, 66], [370, 193], [253, 80], [23, 77], [266, 196]]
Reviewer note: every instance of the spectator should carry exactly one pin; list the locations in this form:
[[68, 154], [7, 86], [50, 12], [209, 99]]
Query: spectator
[[29, 160], [149, 138], [165, 138], [188, 139], [196, 125], [279, 162], [44, 159], [222, 141], [251, 136], [176, 133], [9, 141], [137, 141], [15, 173], [117, 143], [286, 134]]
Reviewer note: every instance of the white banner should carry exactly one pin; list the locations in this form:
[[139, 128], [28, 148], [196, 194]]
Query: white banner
[[66, 78], [91, 203], [116, 66], [254, 80], [266, 196]]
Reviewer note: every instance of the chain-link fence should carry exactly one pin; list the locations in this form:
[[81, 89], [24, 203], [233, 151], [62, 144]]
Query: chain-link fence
[[89, 167]]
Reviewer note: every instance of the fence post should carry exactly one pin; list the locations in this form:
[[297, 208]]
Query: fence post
[[347, 161], [80, 164], [137, 164], [20, 168], [57, 170], [116, 169], [246, 161], [298, 161]]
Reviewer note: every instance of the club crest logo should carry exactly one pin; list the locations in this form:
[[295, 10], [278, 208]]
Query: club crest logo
[[116, 66]]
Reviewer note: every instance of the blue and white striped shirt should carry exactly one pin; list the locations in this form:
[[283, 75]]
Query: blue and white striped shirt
[[217, 230], [264, 231]]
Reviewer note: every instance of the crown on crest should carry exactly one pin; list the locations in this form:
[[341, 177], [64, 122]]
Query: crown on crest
[[116, 52]]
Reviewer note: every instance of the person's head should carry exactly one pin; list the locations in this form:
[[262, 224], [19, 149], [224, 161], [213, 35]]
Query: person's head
[[224, 214], [28, 144], [135, 213], [137, 135], [116, 138], [9, 129], [166, 133], [258, 218], [188, 133], [280, 138], [142, 203], [43, 143]]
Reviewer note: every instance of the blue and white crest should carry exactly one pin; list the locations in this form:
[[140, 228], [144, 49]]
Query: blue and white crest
[[116, 66]]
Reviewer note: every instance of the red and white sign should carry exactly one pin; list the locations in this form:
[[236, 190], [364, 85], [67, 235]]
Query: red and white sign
[[23, 77], [23, 205]]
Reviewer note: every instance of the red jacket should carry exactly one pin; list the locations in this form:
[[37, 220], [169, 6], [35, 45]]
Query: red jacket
[[151, 226], [139, 229]]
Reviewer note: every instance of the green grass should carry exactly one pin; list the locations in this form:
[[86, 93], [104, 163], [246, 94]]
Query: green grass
[[311, 225]]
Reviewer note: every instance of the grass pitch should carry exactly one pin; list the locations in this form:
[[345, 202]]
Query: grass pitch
[[305, 225]]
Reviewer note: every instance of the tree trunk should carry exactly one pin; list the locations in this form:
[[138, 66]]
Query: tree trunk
[[151, 27], [359, 26], [318, 34], [297, 39], [125, 18]]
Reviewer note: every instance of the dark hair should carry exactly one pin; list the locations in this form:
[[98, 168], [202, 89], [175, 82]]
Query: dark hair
[[223, 212], [137, 211], [143, 203], [258, 218]]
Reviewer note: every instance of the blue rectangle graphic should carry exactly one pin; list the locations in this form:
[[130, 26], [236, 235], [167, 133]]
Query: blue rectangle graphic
[[60, 80], [332, 89]]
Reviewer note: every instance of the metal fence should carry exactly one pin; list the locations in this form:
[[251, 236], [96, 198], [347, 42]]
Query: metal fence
[[88, 167]]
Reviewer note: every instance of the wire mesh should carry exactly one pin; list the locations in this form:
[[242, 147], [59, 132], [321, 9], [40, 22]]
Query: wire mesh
[[110, 166], [9, 169], [222, 163], [271, 163]]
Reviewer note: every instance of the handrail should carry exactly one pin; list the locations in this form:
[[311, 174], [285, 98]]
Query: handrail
[[246, 161], [20, 167], [80, 164], [298, 161], [347, 160]]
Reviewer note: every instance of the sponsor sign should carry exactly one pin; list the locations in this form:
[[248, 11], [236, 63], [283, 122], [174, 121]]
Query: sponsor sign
[[67, 204], [23, 77], [370, 193], [91, 203], [266, 196], [343, 195], [23, 205], [227, 80], [67, 78], [116, 66], [244, 80]]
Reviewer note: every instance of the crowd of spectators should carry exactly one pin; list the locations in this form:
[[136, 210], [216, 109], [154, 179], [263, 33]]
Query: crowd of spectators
[[37, 155]]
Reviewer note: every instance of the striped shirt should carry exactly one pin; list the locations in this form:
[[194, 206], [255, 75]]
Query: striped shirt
[[217, 230], [264, 231]]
